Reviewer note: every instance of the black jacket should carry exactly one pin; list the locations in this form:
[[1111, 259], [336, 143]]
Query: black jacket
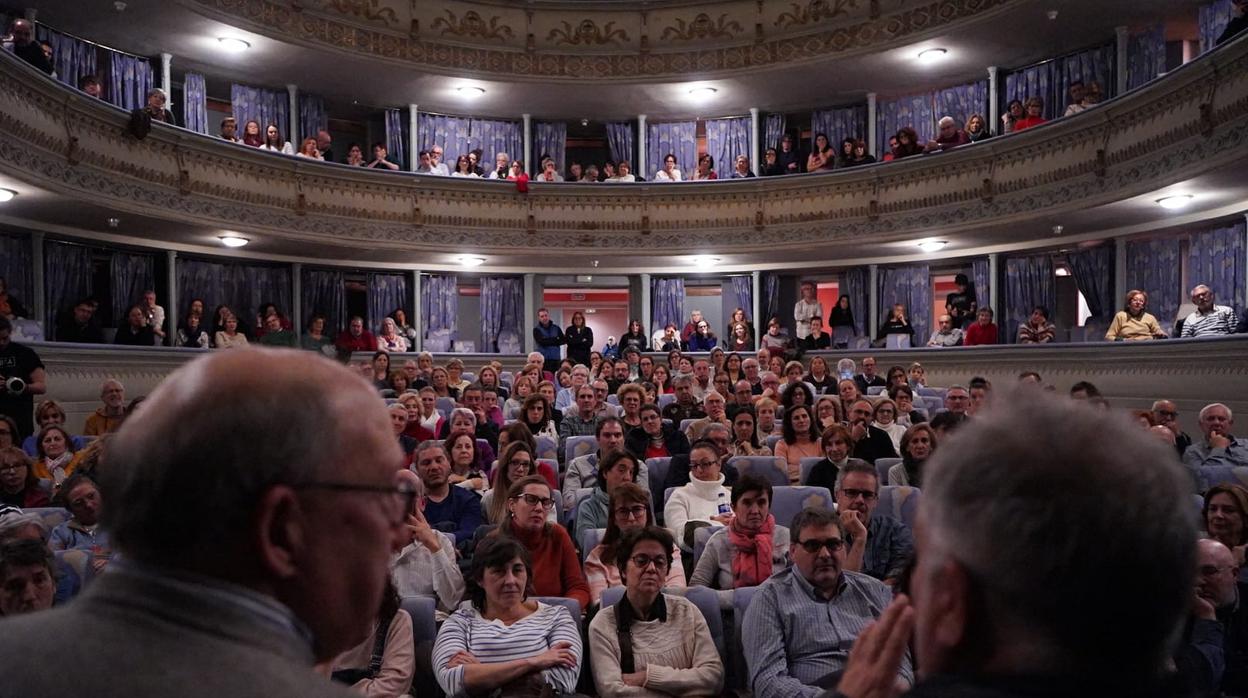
[[876, 444], [674, 439], [580, 342]]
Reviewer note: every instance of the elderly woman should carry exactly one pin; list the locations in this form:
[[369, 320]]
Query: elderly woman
[[427, 564], [750, 549], [630, 510], [390, 338], [654, 439], [502, 641], [838, 447], [885, 419], [515, 463], [702, 502], [56, 455], [464, 421], [558, 567], [916, 446], [828, 412], [800, 439], [19, 486], [1133, 323], [766, 409], [461, 451], [1226, 518], [651, 643], [615, 469], [424, 421]]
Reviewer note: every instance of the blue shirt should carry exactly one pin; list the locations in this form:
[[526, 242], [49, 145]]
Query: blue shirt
[[462, 507]]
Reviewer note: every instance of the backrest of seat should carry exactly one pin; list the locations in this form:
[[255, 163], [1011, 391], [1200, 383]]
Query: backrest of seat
[[1214, 475], [898, 341], [73, 571], [774, 439], [740, 602], [901, 503], [876, 390], [613, 400], [770, 468], [445, 405], [666, 399], [52, 516], [573, 606], [469, 376], [700, 538], [549, 469], [684, 424], [656, 471], [807, 464], [547, 447], [423, 610], [786, 502], [579, 446], [590, 539], [882, 466], [841, 334]]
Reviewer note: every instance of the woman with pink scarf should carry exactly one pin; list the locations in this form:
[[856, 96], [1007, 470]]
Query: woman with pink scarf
[[747, 551]]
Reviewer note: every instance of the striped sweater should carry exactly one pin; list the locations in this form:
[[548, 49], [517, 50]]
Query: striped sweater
[[492, 642]]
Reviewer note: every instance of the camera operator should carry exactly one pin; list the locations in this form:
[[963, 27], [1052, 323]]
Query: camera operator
[[21, 378]]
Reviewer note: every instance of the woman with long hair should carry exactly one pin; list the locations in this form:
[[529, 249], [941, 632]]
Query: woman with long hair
[[634, 337], [801, 439], [918, 444], [822, 157], [252, 135], [273, 141], [515, 462], [536, 415], [554, 557]]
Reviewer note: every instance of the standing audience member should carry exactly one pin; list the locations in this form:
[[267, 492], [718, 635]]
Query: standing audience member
[[961, 304], [549, 338], [807, 307]]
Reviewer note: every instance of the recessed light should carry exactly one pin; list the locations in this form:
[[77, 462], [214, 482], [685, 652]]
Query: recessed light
[[933, 55], [1061, 271], [703, 91], [467, 260], [7, 195], [704, 262], [470, 90], [233, 240], [232, 44], [1173, 203], [933, 245]]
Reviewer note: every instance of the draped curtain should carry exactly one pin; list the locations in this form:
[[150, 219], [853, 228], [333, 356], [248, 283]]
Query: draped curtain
[[195, 102], [439, 303], [855, 287], [981, 276], [1154, 267], [773, 131], [1093, 270], [725, 140], [1213, 20], [323, 292], [128, 81], [496, 137], [242, 287], [386, 294], [450, 132], [743, 295], [313, 117], [396, 140], [15, 269], [910, 286], [132, 275], [771, 298], [1146, 56], [265, 107], [1215, 258], [67, 278], [916, 111], [1028, 283], [72, 57], [962, 102], [1051, 80], [836, 124], [551, 138], [502, 309], [667, 300], [620, 140], [678, 137]]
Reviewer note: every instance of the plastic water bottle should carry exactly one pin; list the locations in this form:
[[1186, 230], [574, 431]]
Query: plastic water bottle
[[723, 503]]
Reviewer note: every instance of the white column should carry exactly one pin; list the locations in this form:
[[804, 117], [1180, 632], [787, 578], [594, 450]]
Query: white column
[[293, 135], [296, 298], [873, 300], [172, 302], [641, 162], [872, 136], [166, 75], [413, 155], [755, 141], [1122, 37], [528, 144], [645, 305], [756, 279], [418, 318], [532, 301], [994, 292], [40, 301], [994, 99]]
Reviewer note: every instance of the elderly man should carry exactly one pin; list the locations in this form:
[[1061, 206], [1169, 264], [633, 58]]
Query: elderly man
[[701, 379], [1221, 621], [575, 424], [869, 378], [355, 338], [879, 546], [436, 164], [502, 163], [946, 335], [567, 396], [448, 508], [1208, 320], [27, 579], [26, 48], [950, 136], [108, 417], [1167, 415], [325, 145], [752, 370], [870, 443], [274, 517], [997, 608], [685, 407], [426, 565], [803, 622], [1219, 447], [958, 400], [716, 413]]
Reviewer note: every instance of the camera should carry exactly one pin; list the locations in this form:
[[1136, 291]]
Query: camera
[[14, 385]]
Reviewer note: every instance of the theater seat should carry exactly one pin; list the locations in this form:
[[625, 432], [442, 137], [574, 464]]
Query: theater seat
[[656, 470], [1214, 475], [876, 390], [700, 539], [52, 516], [73, 571], [740, 602], [774, 439], [770, 468], [579, 446], [423, 610], [438, 341], [882, 466], [684, 424], [547, 448], [464, 346], [581, 494], [897, 341], [549, 469], [590, 538], [573, 606], [786, 502], [445, 405], [806, 465], [900, 503], [666, 399], [842, 336]]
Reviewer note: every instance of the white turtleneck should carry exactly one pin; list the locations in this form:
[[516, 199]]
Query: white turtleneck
[[696, 501]]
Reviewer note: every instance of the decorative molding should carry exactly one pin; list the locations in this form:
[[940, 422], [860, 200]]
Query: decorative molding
[[702, 28], [814, 11], [588, 33], [364, 9], [472, 25]]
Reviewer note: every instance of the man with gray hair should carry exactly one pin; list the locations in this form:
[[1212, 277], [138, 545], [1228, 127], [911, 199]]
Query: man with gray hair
[[254, 544], [1219, 447], [750, 367], [1066, 573], [1208, 320], [108, 417], [950, 136], [685, 406]]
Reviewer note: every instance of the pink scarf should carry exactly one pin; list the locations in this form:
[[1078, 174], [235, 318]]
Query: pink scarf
[[751, 563]]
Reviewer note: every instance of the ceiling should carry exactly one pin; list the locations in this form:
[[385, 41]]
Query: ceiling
[[1015, 37]]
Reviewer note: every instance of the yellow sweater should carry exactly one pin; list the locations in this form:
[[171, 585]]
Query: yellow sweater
[[1126, 327]]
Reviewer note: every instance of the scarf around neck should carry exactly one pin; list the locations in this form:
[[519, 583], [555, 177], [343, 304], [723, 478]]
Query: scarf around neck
[[751, 557]]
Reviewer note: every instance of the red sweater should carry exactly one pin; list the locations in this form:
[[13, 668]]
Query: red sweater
[[979, 334], [349, 342], [556, 566]]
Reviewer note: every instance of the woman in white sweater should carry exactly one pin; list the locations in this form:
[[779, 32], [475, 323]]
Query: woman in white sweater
[[701, 499], [651, 643]]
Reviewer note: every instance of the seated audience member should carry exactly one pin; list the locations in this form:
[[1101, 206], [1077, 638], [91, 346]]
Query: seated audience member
[[1166, 414], [651, 643], [822, 156], [917, 445], [741, 168], [273, 141], [907, 415], [463, 168], [515, 462], [575, 424], [705, 169], [109, 416], [27, 578], [229, 336], [631, 397], [384, 663], [861, 156], [788, 654], [316, 338], [977, 129], [703, 500], [47, 413], [19, 486], [461, 449], [946, 335], [277, 336], [870, 443], [630, 511], [82, 530], [685, 406], [1132, 323], [771, 164], [819, 377], [464, 420], [828, 412], [838, 447], [56, 455], [79, 325], [324, 145], [1219, 446], [424, 421], [1034, 107], [750, 549], [501, 641], [948, 136], [153, 110], [654, 439], [957, 400], [251, 134], [355, 338], [437, 165], [90, 84], [885, 419], [869, 378], [907, 144], [775, 338], [800, 439], [1225, 518], [308, 149], [982, 331], [669, 173], [817, 339], [455, 376], [136, 332], [557, 567], [450, 509], [355, 156], [745, 441], [192, 334], [390, 339], [1208, 320], [895, 324], [579, 376], [715, 407], [615, 469], [879, 546], [1037, 329], [582, 471], [622, 173], [426, 564], [1217, 627], [378, 370], [702, 339], [536, 415]]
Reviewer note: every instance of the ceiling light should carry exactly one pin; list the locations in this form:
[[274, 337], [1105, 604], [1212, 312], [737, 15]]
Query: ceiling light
[[1174, 203], [705, 262], [470, 91], [1061, 271], [233, 240], [7, 195], [470, 260], [232, 44], [703, 91], [932, 55], [933, 245]]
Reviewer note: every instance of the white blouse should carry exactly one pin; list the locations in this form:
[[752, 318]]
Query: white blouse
[[663, 176]]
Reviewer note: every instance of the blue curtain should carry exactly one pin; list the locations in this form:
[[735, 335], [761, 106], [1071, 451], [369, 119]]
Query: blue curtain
[[1216, 259], [1154, 267], [915, 111], [981, 276], [1146, 56], [502, 309], [439, 303], [15, 269], [242, 287], [313, 117], [128, 80], [771, 299], [743, 295], [72, 58], [836, 124], [323, 292], [551, 138], [264, 107], [678, 137], [773, 131], [450, 132], [497, 137], [725, 140], [855, 287], [67, 278], [386, 294], [1028, 283], [1093, 270], [620, 140], [1051, 80], [912, 287], [962, 101], [195, 103], [667, 301], [132, 275], [396, 138], [1213, 20]]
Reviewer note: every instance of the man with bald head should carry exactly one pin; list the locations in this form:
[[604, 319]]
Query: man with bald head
[[1214, 651], [1167, 415], [254, 526], [1219, 447], [108, 417]]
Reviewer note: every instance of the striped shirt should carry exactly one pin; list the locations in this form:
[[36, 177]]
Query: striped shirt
[[794, 639], [1220, 320], [492, 642]]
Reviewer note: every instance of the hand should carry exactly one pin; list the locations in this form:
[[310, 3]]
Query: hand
[[98, 564], [634, 679], [1005, 118], [418, 529], [858, 431], [875, 658], [725, 519], [853, 525], [1217, 440], [559, 654], [1202, 609], [461, 658]]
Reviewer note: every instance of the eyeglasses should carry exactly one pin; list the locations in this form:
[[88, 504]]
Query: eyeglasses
[[536, 501], [10, 468], [1160, 413], [703, 465], [401, 496], [636, 511], [518, 462], [867, 495], [643, 561], [813, 546]]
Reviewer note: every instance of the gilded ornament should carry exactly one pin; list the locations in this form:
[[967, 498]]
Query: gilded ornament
[[703, 28], [364, 9], [587, 32], [815, 11], [472, 25]]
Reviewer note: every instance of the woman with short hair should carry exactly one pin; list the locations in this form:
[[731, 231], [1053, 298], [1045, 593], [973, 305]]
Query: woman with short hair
[[885, 419], [917, 445], [56, 455], [536, 415], [19, 486], [669, 173], [838, 447], [1133, 323], [750, 549], [654, 439], [1225, 517]]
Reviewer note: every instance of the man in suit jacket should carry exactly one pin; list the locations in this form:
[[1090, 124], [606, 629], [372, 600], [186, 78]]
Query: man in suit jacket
[[253, 545]]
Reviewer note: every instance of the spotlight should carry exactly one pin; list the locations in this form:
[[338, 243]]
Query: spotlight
[[233, 240], [704, 262], [7, 195], [703, 92], [470, 91], [932, 55], [470, 260]]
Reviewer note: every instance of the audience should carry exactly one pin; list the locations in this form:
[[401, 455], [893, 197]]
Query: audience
[[384, 664], [917, 445], [1132, 323], [879, 546], [702, 501], [19, 485], [1208, 320], [109, 416], [800, 439], [1219, 447], [426, 564], [1225, 518], [1037, 329], [982, 331], [27, 580], [838, 447], [870, 443], [614, 469], [750, 549], [450, 509], [630, 510], [556, 565]]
